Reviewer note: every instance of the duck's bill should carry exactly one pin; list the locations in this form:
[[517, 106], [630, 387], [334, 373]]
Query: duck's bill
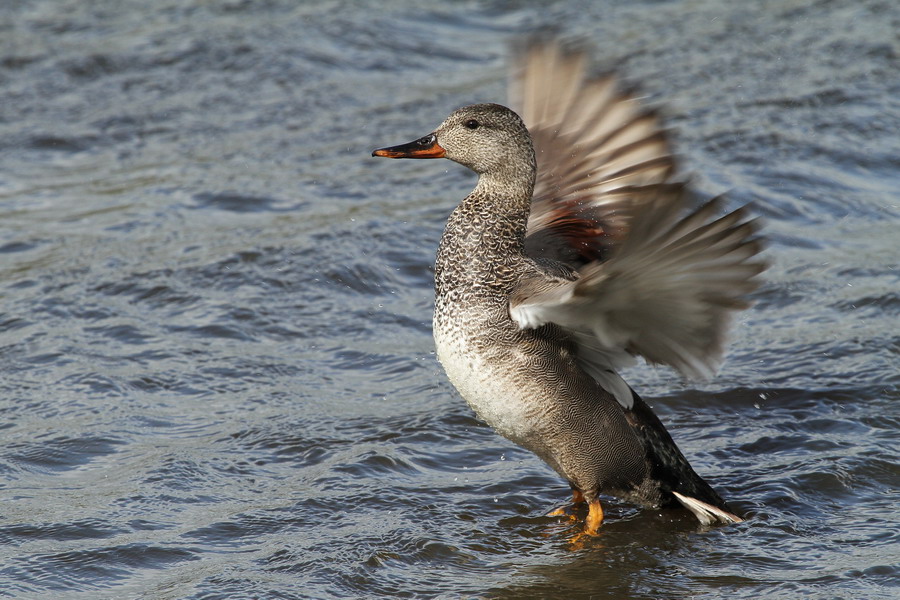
[[426, 147]]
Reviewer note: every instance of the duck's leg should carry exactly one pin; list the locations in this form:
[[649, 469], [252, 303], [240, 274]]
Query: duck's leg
[[594, 518], [577, 498], [591, 525]]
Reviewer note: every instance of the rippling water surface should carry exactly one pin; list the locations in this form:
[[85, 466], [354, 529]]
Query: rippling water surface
[[216, 363]]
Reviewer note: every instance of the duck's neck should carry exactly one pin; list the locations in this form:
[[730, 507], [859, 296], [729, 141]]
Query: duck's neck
[[509, 191], [486, 231], [497, 209]]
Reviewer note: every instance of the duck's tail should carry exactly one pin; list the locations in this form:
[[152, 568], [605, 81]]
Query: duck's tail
[[706, 513], [671, 472]]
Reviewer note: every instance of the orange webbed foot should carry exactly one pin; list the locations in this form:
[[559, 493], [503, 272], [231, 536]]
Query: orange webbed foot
[[594, 518], [577, 498], [591, 525]]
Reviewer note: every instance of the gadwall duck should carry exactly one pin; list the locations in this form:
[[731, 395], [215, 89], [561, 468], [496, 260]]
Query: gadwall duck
[[574, 253]]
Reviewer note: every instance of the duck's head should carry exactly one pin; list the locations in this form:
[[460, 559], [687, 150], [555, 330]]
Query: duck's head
[[487, 138]]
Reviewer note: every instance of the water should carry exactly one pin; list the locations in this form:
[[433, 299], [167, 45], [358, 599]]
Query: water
[[218, 377]]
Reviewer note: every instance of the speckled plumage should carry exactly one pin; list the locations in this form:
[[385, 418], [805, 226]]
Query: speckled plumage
[[530, 285]]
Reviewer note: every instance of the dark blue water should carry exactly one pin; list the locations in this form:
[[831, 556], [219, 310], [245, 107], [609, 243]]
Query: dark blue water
[[217, 377]]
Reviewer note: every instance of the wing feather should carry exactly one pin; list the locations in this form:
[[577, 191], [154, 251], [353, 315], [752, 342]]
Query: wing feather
[[654, 278], [592, 139], [667, 292]]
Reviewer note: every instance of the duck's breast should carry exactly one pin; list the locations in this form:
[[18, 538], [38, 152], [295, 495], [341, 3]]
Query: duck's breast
[[528, 386], [483, 362]]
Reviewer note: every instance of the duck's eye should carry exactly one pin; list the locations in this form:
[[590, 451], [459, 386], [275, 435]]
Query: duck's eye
[[472, 124]]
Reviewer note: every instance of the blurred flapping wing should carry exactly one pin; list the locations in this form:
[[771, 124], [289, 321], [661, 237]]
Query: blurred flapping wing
[[651, 281], [667, 291], [594, 145]]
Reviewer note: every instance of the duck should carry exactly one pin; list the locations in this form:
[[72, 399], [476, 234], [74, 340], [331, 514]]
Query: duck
[[578, 251]]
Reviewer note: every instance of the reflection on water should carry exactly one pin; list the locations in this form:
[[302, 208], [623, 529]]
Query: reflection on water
[[218, 374]]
